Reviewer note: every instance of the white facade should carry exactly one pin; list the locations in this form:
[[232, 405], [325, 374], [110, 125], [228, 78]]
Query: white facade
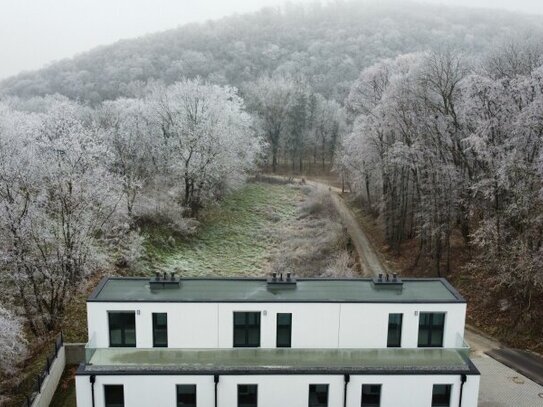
[[316, 325], [277, 391], [209, 325]]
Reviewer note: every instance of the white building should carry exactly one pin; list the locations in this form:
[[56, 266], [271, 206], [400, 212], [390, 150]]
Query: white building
[[266, 343]]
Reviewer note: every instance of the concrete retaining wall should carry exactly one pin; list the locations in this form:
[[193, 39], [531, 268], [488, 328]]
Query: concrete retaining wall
[[49, 386]]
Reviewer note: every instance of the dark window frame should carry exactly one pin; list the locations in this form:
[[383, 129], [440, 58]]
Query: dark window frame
[[398, 343], [282, 329], [371, 403], [431, 327], [109, 404], [182, 404], [156, 328], [320, 404], [247, 327], [123, 343], [438, 399], [245, 404]]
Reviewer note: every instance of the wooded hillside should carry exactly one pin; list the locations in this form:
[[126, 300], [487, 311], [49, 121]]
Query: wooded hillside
[[328, 45]]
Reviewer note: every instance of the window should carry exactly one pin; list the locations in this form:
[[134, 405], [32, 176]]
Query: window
[[441, 395], [371, 395], [114, 395], [284, 330], [246, 329], [160, 330], [122, 329], [247, 395], [394, 330], [186, 395], [318, 395], [431, 327]]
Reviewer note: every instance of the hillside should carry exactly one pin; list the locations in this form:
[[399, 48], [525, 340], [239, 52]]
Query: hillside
[[329, 45]]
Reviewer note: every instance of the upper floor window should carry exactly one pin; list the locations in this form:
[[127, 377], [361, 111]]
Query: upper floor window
[[431, 329], [371, 395], [247, 395], [122, 329], [160, 330], [186, 395], [441, 395], [284, 330], [318, 395], [394, 330], [246, 329], [114, 395]]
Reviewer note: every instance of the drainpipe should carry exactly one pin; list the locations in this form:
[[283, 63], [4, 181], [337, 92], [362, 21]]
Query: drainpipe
[[92, 379], [463, 379], [347, 378], [216, 380]]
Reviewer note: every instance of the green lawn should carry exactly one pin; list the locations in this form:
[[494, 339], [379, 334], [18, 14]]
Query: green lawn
[[236, 237]]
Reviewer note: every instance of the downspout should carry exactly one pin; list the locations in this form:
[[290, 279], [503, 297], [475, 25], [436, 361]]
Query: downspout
[[347, 378], [216, 380], [463, 379], [92, 379]]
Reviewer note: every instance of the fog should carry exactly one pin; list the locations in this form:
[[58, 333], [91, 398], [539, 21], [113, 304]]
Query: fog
[[34, 33]]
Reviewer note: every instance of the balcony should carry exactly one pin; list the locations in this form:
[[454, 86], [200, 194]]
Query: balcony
[[224, 361]]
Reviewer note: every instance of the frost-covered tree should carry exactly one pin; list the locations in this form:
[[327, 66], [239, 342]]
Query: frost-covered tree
[[131, 138], [441, 143], [57, 198], [12, 342], [271, 99], [208, 141]]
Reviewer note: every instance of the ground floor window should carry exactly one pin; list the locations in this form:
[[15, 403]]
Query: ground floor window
[[371, 395], [441, 395], [114, 395], [318, 395], [247, 395], [186, 395]]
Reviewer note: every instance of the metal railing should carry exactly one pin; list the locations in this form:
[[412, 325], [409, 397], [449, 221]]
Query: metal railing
[[42, 375]]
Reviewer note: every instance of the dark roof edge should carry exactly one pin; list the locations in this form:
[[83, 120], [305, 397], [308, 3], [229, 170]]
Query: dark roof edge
[[275, 302], [453, 290], [471, 371], [98, 288]]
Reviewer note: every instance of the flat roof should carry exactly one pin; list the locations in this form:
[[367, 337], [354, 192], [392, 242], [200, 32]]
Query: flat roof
[[276, 361], [414, 290]]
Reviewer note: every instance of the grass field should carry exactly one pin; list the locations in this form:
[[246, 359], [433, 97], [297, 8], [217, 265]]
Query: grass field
[[237, 237]]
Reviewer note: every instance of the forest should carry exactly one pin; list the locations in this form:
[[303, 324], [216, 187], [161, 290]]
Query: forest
[[433, 116]]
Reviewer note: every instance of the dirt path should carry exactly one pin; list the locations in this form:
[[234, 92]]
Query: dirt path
[[369, 259]]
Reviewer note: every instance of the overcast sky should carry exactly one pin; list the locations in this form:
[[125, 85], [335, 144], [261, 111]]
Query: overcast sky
[[36, 32]]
